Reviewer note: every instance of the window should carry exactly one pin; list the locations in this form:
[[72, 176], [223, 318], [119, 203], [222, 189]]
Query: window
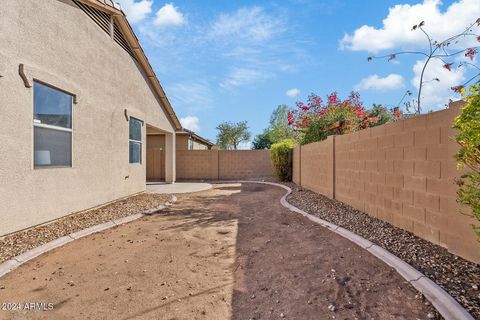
[[52, 126], [135, 140]]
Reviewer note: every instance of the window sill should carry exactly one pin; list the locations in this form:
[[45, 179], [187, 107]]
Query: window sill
[[51, 167]]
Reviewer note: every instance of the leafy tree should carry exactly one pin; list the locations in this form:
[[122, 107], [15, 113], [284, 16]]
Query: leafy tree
[[262, 140], [277, 130], [381, 113], [230, 134], [442, 51], [468, 125]]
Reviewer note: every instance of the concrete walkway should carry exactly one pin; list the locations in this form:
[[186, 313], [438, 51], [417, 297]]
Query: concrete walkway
[[178, 187]]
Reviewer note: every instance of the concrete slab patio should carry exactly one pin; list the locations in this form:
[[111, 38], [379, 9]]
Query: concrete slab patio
[[178, 187], [232, 252]]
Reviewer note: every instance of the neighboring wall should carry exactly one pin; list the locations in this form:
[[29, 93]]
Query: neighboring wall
[[403, 173], [223, 164], [60, 45]]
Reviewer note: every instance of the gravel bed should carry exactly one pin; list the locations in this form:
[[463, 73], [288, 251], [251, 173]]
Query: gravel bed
[[22, 241], [459, 277]]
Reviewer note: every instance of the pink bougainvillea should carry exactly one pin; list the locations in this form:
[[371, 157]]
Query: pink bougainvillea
[[470, 53]]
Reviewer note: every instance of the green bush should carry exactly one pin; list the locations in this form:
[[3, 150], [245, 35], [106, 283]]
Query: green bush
[[281, 155], [468, 125]]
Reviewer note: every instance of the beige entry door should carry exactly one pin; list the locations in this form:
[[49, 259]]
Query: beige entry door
[[155, 164]]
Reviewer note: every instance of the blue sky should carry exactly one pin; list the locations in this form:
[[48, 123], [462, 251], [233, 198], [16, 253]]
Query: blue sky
[[237, 60]]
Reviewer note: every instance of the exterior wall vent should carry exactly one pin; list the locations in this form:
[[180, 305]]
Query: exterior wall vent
[[104, 21]]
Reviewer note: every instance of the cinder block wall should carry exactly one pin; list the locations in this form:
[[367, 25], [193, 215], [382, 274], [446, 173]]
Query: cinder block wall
[[197, 164], [296, 169], [223, 164], [244, 164], [403, 173], [316, 163]]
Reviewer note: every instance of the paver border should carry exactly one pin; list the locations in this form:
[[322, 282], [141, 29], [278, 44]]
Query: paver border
[[445, 304], [17, 261]]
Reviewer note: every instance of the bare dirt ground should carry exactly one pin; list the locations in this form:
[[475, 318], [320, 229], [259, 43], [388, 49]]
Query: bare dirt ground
[[232, 252]]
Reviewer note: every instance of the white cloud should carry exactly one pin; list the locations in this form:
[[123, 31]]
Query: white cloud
[[168, 15], [390, 82], [246, 23], [191, 96], [190, 123], [136, 10], [435, 94], [242, 76], [292, 93], [396, 29]]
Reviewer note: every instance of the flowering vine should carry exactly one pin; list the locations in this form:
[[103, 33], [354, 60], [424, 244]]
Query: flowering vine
[[442, 51]]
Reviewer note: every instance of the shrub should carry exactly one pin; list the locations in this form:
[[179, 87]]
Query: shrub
[[468, 125], [281, 155], [317, 119]]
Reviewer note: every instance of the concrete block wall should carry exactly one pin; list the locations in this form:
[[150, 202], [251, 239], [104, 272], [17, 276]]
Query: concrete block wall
[[197, 164], [317, 163], [244, 164], [296, 168], [403, 173], [223, 164]]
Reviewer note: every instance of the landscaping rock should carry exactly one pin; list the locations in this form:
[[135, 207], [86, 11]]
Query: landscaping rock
[[457, 276], [17, 243]]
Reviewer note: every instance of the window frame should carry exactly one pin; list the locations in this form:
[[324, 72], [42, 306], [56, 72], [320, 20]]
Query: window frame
[[52, 127], [139, 142]]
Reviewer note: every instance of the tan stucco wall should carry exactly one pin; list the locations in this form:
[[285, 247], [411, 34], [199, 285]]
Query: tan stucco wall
[[403, 173], [61, 46]]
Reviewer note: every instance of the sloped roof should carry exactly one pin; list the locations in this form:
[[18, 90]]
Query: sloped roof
[[195, 136], [112, 8]]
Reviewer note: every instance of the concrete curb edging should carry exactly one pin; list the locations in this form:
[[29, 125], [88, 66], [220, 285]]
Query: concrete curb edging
[[445, 304], [17, 261]]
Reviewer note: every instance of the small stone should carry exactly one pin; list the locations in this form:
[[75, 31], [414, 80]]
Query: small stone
[[2, 287], [430, 315], [165, 298], [129, 288], [106, 289], [309, 301], [71, 283], [282, 315], [474, 287], [332, 308], [252, 296]]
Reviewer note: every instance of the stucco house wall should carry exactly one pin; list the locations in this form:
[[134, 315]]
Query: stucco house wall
[[58, 44]]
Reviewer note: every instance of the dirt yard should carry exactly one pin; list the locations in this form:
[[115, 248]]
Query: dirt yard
[[232, 252]]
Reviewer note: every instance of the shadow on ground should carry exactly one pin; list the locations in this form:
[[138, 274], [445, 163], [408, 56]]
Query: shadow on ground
[[232, 252]]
